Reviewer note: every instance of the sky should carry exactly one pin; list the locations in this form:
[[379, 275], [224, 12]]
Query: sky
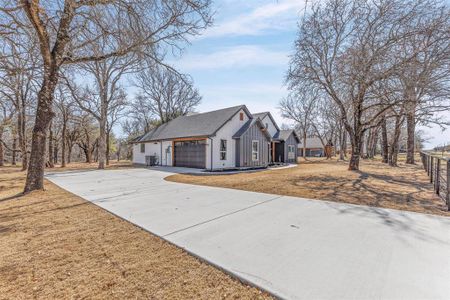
[[243, 58]]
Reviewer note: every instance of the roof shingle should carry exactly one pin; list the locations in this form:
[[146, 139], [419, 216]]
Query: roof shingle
[[203, 124]]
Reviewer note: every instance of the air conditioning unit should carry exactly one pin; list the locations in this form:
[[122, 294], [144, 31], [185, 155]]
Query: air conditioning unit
[[151, 160]]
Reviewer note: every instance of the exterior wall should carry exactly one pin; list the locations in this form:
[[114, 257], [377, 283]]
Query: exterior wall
[[311, 142], [312, 152], [270, 126], [226, 133], [151, 148], [291, 141], [245, 148]]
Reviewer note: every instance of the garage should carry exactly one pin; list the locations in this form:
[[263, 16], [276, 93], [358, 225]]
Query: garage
[[190, 154]]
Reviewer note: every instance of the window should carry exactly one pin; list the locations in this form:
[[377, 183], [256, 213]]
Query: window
[[241, 116], [267, 125], [223, 149], [255, 150], [142, 148], [291, 152]]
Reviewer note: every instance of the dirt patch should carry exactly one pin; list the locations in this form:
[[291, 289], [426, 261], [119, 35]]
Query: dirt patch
[[405, 188], [55, 245]]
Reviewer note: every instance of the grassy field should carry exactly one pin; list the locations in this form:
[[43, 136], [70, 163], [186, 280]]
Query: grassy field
[[55, 245], [405, 188]]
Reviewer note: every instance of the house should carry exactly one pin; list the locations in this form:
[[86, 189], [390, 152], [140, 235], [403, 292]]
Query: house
[[283, 146], [222, 139], [314, 147]]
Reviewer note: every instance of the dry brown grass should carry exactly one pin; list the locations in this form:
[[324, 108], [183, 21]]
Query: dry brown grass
[[55, 245], [404, 188]]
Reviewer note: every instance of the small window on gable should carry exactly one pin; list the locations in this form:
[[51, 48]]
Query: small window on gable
[[223, 149], [267, 125], [241, 116], [143, 148]]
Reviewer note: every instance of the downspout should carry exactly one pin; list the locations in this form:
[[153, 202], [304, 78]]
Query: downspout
[[160, 153], [211, 145]]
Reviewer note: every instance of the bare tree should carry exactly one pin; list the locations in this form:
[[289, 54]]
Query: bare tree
[[6, 116], [18, 85], [105, 98], [426, 78], [66, 106], [67, 30], [164, 93], [88, 138], [345, 47], [299, 107]]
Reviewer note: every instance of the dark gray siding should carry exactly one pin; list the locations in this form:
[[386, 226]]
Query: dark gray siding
[[291, 141], [238, 152], [244, 148]]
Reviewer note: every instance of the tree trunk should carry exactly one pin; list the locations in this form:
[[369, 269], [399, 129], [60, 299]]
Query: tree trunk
[[342, 146], [101, 151], [411, 131], [384, 142], [63, 144], [304, 144], [44, 115], [14, 151], [356, 152], [393, 151], [22, 138], [87, 153], [107, 148], [50, 147], [55, 152], [2, 151], [69, 153]]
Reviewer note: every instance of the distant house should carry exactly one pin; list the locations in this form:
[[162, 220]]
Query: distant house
[[314, 147], [222, 139]]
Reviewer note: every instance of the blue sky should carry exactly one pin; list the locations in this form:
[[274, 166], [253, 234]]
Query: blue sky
[[243, 57]]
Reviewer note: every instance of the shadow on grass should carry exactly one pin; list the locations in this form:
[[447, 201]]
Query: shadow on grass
[[399, 191]]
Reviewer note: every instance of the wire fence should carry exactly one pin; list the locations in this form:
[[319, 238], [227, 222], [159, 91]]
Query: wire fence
[[438, 170]]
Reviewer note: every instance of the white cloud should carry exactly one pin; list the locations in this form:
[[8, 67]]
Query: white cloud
[[277, 15], [234, 57]]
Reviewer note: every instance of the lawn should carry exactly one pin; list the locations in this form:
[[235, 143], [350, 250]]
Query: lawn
[[55, 245], [405, 188]]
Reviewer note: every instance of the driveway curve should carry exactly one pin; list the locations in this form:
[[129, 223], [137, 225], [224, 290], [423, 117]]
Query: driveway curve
[[292, 247]]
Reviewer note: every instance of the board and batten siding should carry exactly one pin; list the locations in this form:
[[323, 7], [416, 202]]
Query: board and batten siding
[[291, 141], [244, 148]]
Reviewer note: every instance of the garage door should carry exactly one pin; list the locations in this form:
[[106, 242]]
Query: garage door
[[191, 154]]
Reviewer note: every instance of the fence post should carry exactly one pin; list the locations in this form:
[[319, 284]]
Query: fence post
[[429, 165], [447, 198], [431, 169], [437, 178]]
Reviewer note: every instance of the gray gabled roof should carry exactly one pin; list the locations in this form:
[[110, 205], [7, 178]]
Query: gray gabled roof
[[247, 126], [262, 115], [283, 135], [198, 125]]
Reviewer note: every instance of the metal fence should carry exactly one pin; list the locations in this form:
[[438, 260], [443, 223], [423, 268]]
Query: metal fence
[[438, 169]]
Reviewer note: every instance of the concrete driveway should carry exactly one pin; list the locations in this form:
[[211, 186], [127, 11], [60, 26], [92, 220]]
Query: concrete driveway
[[292, 247]]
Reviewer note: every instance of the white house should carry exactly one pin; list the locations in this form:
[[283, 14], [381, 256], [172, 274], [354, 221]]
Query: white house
[[222, 139]]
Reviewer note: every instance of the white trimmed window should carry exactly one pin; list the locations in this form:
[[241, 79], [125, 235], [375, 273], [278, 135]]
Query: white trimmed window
[[143, 148], [291, 151], [255, 150], [223, 149]]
